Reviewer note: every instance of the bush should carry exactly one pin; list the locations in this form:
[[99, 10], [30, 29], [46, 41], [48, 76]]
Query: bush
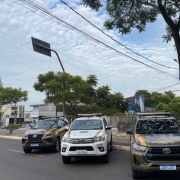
[[12, 127]]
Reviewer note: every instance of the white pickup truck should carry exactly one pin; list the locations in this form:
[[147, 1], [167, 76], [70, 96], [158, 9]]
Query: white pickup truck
[[87, 136]]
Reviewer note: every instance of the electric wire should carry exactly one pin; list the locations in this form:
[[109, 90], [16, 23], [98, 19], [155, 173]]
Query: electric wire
[[115, 39], [37, 7]]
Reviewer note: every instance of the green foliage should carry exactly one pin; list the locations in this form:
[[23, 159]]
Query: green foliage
[[127, 15], [74, 90], [12, 127], [10, 95]]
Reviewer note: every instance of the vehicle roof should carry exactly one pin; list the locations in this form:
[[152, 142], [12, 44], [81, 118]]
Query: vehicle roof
[[89, 118], [54, 119]]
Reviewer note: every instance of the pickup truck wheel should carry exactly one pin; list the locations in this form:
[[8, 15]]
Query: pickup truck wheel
[[66, 160], [110, 144], [56, 147], [27, 150], [136, 174], [105, 158]]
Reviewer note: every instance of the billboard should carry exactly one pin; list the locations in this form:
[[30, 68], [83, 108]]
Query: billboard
[[136, 104]]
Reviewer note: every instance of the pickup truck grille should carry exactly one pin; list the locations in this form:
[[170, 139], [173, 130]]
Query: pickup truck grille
[[81, 141], [35, 137], [157, 154], [87, 148]]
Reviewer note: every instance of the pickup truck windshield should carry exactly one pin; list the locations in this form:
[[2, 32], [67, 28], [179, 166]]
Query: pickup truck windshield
[[87, 125], [153, 126]]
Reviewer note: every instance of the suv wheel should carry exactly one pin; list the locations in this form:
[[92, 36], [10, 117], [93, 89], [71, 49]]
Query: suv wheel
[[27, 150], [56, 147], [66, 160], [136, 174]]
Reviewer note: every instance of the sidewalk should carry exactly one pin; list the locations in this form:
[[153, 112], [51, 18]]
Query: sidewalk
[[117, 144]]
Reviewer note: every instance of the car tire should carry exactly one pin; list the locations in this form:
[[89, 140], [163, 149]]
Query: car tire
[[27, 150], [56, 147], [105, 158], [66, 159], [136, 174], [110, 144]]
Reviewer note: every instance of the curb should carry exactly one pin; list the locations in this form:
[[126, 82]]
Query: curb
[[10, 137], [119, 147]]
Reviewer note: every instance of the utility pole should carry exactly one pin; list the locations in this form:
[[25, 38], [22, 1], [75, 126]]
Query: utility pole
[[44, 48]]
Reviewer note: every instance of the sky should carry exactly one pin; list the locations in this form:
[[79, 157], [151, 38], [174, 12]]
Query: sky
[[20, 65]]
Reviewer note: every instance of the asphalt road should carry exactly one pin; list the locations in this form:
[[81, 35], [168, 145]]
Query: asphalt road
[[45, 165]]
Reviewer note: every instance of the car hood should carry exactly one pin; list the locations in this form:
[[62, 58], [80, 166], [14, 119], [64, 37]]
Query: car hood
[[40, 131], [157, 139], [83, 133]]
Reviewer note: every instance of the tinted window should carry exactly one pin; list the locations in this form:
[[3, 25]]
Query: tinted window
[[87, 125], [157, 126], [45, 124]]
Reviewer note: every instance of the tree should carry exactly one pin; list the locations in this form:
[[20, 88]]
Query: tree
[[1, 84], [128, 14], [59, 87], [9, 95]]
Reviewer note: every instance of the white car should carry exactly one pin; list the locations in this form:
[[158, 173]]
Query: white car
[[87, 136]]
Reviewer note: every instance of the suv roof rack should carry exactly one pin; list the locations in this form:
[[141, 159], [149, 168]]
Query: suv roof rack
[[155, 114], [90, 115]]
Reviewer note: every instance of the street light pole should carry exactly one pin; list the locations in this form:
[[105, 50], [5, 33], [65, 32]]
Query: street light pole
[[46, 46]]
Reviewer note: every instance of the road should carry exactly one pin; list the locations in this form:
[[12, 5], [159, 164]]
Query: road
[[14, 164]]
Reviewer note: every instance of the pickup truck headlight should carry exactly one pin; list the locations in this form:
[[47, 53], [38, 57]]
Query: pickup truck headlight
[[65, 139], [100, 138], [25, 135], [137, 147]]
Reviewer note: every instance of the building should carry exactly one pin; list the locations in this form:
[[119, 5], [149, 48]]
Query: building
[[12, 113], [44, 110]]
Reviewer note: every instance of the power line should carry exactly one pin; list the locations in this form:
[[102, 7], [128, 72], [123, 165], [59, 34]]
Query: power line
[[37, 7], [115, 39]]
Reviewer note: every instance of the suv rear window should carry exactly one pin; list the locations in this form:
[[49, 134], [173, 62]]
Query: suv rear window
[[87, 125], [151, 126]]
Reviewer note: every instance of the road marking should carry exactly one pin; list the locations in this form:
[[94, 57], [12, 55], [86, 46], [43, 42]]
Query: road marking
[[23, 152]]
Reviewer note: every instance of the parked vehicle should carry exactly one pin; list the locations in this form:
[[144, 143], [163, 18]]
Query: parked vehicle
[[46, 133], [87, 136], [3, 127], [154, 144]]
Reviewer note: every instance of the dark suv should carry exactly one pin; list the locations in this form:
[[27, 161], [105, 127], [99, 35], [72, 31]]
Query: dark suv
[[46, 133], [154, 144]]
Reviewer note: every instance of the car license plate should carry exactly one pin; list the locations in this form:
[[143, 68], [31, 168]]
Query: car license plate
[[167, 167], [34, 145], [82, 151]]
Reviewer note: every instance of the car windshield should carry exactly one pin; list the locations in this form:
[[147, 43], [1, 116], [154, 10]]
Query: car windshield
[[162, 126], [87, 125], [45, 124]]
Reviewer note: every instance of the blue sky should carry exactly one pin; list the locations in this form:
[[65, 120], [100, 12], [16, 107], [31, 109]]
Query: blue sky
[[20, 65]]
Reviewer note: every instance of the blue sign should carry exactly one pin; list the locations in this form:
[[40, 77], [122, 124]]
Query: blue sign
[[136, 103], [7, 116]]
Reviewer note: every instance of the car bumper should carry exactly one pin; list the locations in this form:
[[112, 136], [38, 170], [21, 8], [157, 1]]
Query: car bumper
[[139, 163], [41, 144], [90, 149]]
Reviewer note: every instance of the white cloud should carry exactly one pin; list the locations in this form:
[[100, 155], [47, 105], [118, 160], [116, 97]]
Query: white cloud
[[20, 65]]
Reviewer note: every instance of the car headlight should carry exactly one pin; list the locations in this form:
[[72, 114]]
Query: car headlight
[[99, 138], [139, 148], [65, 139], [25, 135], [49, 134]]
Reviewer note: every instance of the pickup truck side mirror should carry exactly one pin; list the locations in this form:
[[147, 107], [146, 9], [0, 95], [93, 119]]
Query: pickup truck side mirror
[[129, 131], [108, 127]]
